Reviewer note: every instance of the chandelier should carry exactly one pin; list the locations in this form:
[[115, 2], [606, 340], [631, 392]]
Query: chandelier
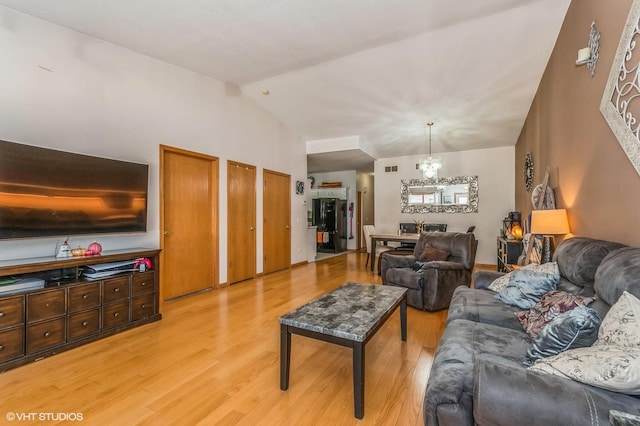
[[430, 165]]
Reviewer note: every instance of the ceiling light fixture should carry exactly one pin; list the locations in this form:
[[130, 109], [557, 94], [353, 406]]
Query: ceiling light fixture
[[430, 165]]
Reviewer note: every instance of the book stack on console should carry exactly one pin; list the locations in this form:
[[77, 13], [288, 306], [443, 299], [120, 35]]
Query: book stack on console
[[17, 285]]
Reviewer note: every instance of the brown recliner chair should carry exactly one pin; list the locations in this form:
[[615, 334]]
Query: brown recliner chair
[[431, 283]]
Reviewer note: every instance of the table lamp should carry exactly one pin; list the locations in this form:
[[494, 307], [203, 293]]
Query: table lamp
[[549, 223]]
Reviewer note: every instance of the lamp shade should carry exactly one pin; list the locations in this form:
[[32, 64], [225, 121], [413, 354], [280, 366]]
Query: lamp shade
[[549, 222]]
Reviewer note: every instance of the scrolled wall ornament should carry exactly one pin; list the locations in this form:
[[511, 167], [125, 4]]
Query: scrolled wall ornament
[[620, 104], [528, 172]]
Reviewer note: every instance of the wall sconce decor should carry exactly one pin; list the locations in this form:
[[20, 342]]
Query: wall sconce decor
[[620, 104], [589, 54]]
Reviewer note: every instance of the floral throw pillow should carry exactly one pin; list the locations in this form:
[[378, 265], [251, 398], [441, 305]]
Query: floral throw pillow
[[608, 367], [550, 306], [621, 325]]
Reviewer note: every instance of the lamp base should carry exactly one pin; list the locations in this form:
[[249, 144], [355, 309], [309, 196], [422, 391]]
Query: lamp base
[[548, 247]]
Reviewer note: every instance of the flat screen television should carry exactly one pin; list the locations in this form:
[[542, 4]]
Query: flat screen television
[[45, 192]]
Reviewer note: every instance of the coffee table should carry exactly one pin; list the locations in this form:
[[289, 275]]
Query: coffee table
[[348, 316]]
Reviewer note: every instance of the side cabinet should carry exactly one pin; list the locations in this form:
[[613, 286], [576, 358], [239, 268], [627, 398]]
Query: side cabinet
[[508, 253], [63, 315]]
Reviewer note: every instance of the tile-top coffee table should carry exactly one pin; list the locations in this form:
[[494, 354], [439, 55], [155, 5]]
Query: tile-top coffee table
[[349, 316]]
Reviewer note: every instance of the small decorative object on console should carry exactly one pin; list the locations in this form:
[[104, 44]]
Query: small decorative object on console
[[94, 249], [64, 250], [78, 251], [142, 264]]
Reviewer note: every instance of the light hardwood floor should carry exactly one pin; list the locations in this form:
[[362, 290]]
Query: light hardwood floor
[[214, 359]]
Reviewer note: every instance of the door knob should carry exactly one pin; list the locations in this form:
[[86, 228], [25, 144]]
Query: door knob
[[251, 228], [165, 233]]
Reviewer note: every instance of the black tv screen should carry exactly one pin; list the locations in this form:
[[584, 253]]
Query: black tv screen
[[45, 192]]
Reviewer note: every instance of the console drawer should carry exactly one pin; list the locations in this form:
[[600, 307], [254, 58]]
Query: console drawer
[[142, 283], [115, 289], [115, 314], [45, 335], [84, 297], [11, 311], [46, 304], [83, 324], [142, 307], [11, 344]]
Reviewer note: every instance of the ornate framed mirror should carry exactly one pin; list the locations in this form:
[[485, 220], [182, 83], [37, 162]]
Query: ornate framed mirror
[[454, 194]]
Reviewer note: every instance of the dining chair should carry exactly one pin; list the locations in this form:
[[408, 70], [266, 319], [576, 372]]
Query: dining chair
[[368, 230]]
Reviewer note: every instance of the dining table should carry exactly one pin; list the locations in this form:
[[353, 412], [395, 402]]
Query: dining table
[[403, 238]]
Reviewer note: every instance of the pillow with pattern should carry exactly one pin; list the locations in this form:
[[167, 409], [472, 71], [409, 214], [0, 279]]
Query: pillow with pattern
[[609, 367], [576, 328], [548, 307], [621, 325]]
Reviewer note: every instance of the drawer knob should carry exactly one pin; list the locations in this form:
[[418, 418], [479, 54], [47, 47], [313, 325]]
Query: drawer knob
[[1, 348], [117, 289], [143, 283], [143, 306], [116, 314], [85, 296], [1, 314], [85, 323], [47, 334]]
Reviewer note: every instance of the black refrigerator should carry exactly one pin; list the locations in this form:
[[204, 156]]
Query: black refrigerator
[[330, 216]]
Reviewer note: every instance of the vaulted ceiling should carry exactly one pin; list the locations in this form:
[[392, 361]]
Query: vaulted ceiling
[[376, 70]]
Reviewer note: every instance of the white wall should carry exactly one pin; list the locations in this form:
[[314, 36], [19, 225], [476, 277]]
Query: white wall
[[64, 90], [495, 170]]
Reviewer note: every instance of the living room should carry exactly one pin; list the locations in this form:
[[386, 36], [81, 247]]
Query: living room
[[64, 90]]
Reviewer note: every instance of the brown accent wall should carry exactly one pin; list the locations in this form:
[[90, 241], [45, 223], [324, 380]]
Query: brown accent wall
[[565, 131]]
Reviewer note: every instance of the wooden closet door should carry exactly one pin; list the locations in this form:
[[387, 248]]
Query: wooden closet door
[[241, 221], [189, 222], [276, 212]]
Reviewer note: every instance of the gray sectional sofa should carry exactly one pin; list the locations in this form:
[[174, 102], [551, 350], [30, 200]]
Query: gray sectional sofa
[[478, 374]]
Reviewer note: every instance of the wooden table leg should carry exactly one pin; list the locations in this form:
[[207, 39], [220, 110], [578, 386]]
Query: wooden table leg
[[285, 356], [403, 319], [358, 379], [373, 252]]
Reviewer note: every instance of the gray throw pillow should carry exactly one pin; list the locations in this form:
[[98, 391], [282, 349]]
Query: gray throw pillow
[[576, 328], [526, 287]]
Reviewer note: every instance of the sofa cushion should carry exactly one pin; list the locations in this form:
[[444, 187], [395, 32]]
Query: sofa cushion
[[576, 328], [405, 277], [526, 287], [547, 308], [618, 272], [579, 257], [482, 306], [606, 366], [621, 326], [463, 343]]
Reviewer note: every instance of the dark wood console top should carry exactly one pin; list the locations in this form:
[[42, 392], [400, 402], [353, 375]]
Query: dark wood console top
[[37, 264]]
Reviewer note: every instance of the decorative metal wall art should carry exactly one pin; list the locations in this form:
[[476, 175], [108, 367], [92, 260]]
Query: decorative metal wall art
[[620, 104], [528, 172], [591, 52]]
